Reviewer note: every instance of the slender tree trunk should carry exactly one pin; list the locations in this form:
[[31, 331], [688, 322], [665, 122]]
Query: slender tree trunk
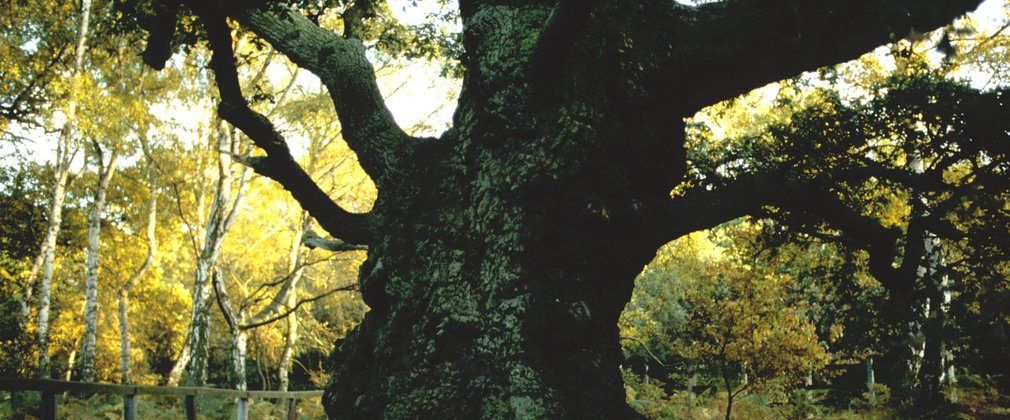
[[180, 364], [91, 272], [291, 327], [238, 337], [220, 219], [871, 379], [238, 356], [66, 150], [49, 257], [71, 360], [729, 391], [931, 372], [929, 368], [126, 370], [199, 345]]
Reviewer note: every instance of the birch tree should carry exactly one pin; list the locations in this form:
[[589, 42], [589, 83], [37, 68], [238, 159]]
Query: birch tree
[[105, 172], [66, 149]]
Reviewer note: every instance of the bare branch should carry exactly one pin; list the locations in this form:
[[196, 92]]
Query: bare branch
[[282, 315], [706, 208]]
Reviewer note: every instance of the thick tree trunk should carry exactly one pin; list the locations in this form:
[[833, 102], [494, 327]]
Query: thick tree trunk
[[91, 271], [501, 271]]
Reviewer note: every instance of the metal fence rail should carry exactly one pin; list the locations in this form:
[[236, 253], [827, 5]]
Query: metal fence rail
[[50, 388]]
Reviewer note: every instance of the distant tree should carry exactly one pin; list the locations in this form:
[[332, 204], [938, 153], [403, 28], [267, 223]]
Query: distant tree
[[746, 329]]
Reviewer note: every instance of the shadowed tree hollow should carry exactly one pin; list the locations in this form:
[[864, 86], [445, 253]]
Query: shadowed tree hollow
[[501, 253]]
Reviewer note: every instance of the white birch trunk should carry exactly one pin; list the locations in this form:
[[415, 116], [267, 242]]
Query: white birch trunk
[[180, 364], [238, 336], [93, 253], [219, 220], [291, 335], [66, 149], [930, 358]]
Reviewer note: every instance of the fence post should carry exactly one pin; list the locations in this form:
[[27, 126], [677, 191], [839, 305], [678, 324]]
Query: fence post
[[292, 408], [48, 405], [190, 407], [242, 411], [129, 406]]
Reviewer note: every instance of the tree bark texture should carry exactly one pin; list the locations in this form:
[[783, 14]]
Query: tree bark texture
[[501, 254], [93, 251]]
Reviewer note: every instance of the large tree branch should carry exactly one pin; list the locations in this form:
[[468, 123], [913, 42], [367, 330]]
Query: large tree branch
[[278, 164], [161, 31], [341, 64], [727, 48], [708, 207], [564, 27]]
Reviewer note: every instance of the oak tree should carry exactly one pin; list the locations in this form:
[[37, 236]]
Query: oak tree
[[501, 253]]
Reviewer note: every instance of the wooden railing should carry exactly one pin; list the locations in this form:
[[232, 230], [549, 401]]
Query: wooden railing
[[50, 388]]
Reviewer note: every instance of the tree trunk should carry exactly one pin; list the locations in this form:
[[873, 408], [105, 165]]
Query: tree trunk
[[291, 333], [126, 370], [199, 336], [91, 271], [220, 219], [71, 360], [932, 369], [287, 356], [929, 366], [49, 257], [502, 253], [180, 364], [871, 379], [66, 150]]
